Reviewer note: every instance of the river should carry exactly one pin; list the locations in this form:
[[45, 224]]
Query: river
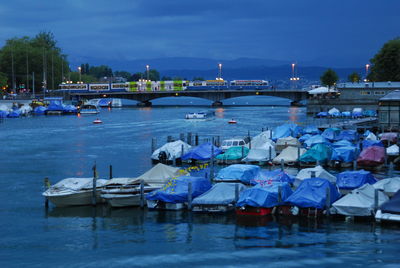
[[68, 146]]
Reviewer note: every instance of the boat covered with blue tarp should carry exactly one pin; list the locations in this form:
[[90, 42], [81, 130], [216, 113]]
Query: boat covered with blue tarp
[[286, 130], [322, 114], [305, 137], [238, 172], [220, 194], [176, 190], [312, 193], [266, 177], [349, 134], [368, 143], [349, 180], [316, 139], [344, 154], [311, 129], [342, 143], [319, 152], [70, 109], [235, 153], [331, 133], [39, 110], [202, 152], [14, 114], [55, 104], [3, 114], [265, 197]]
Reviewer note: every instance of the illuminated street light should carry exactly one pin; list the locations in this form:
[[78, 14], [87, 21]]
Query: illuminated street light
[[148, 70], [219, 71], [366, 72], [80, 73]]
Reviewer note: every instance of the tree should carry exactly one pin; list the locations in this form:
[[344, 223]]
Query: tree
[[354, 77], [329, 78], [21, 57], [136, 77], [123, 74], [198, 78], [166, 78], [3, 80], [386, 63]]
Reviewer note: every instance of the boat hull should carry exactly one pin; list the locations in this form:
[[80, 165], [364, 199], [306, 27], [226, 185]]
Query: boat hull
[[75, 199]]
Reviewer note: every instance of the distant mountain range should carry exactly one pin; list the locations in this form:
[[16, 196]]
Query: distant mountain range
[[241, 68]]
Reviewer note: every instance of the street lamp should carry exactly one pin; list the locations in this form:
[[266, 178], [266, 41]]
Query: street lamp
[[147, 70], [366, 72], [294, 78], [220, 71], [80, 74]]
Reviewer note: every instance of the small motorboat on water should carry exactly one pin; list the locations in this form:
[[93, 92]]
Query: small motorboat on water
[[199, 115], [232, 121], [74, 192], [97, 121], [89, 109]]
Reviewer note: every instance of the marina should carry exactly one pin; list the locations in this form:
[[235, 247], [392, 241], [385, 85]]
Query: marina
[[103, 224]]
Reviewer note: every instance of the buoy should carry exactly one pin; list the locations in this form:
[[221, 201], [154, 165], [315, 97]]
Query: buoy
[[97, 121], [232, 121]]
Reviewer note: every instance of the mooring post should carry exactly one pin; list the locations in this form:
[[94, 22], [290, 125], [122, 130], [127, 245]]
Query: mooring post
[[262, 129], [282, 164], [242, 151], [212, 161], [313, 174], [279, 194], [174, 161], [355, 165], [182, 151], [190, 195], [94, 186], [111, 172], [270, 153], [328, 201], [46, 187], [189, 138], [298, 153], [390, 171], [376, 200], [386, 158], [236, 192], [169, 138], [153, 144], [182, 137], [196, 139], [142, 193], [218, 141]]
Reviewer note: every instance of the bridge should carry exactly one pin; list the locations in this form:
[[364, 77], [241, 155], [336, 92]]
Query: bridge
[[216, 96]]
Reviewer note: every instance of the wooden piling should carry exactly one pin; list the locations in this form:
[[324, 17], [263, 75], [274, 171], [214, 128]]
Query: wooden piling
[[242, 151], [236, 192], [328, 201], [190, 190], [153, 144], [189, 138], [270, 153], [169, 138], [279, 194], [111, 172], [212, 161], [46, 187], [182, 151], [313, 174], [182, 137], [376, 200], [94, 186], [355, 165], [390, 171], [282, 164], [298, 153], [142, 193], [196, 139], [174, 161]]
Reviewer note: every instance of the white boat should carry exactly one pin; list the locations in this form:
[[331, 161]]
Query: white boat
[[199, 115], [359, 202], [74, 192], [116, 103], [89, 109], [226, 144], [390, 210], [283, 143], [170, 151], [289, 155], [319, 172], [389, 186], [124, 192], [220, 198]]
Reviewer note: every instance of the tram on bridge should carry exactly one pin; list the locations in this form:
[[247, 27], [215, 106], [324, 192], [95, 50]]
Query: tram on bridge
[[153, 86]]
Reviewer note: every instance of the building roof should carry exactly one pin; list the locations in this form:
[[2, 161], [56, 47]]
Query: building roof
[[387, 84], [392, 96]]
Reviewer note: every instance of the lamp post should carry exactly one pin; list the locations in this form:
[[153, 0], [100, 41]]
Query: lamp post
[[366, 72], [294, 77], [220, 71], [147, 71], [80, 74]]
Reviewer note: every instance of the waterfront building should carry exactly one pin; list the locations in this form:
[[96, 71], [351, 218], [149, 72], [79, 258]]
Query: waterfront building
[[389, 110]]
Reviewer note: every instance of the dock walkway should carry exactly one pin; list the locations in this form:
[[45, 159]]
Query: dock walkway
[[350, 123]]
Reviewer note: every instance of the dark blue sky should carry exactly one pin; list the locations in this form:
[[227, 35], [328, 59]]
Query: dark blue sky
[[312, 32]]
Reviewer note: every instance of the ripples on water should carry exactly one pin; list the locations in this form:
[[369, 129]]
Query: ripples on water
[[59, 147]]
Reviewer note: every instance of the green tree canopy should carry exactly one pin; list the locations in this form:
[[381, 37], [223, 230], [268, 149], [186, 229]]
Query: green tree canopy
[[21, 57], [198, 78], [386, 63], [329, 78], [166, 78], [3, 80], [123, 74], [354, 77]]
